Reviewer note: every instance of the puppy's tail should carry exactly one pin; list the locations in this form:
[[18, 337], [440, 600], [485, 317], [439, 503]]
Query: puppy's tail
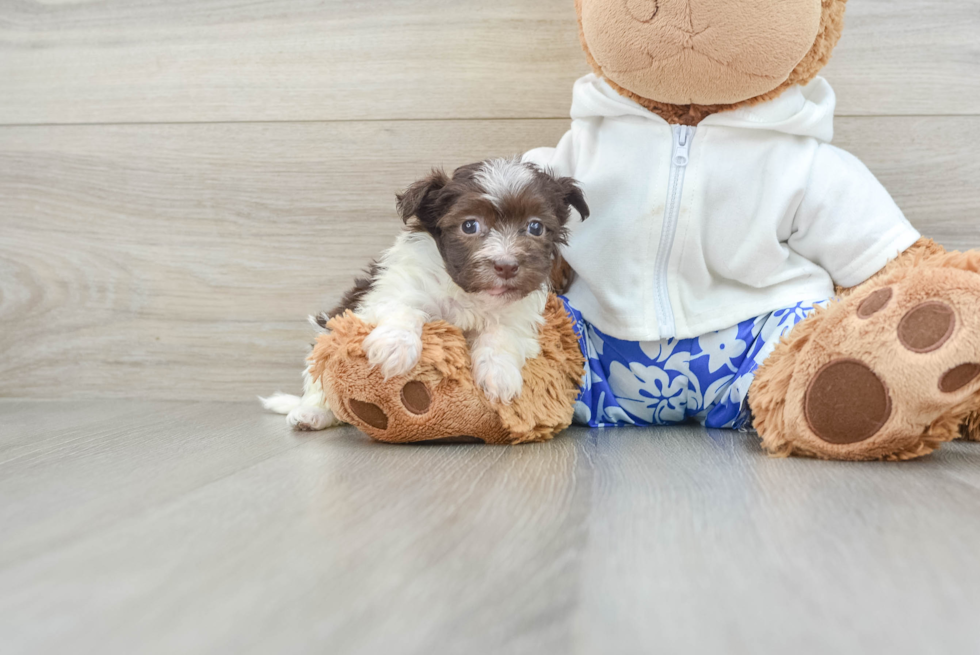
[[280, 403], [319, 322]]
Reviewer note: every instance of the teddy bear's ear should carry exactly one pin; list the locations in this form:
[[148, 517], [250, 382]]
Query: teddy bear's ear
[[422, 199], [573, 196]]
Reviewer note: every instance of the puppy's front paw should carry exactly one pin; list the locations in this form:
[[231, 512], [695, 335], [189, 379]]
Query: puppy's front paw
[[394, 349], [498, 376], [311, 419]]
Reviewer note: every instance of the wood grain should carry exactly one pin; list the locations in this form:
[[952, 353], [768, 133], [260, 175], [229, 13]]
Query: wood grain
[[745, 554], [181, 182], [107, 61], [161, 450], [160, 261], [211, 528], [180, 261]]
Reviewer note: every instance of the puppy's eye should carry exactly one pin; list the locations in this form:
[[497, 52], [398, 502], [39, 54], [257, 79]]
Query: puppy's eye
[[470, 227], [535, 228]]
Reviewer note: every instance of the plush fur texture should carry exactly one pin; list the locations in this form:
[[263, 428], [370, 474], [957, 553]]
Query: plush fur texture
[[922, 415], [725, 33], [451, 404]]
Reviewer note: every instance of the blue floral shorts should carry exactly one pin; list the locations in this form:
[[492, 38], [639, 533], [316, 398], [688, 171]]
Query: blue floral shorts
[[704, 379]]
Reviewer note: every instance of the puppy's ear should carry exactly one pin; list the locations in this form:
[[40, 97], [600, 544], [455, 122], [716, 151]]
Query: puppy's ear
[[421, 200], [573, 196]]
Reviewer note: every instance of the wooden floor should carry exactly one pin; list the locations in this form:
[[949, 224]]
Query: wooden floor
[[183, 181], [169, 527]]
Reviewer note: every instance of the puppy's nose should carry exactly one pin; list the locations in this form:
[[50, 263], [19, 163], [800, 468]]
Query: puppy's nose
[[505, 269]]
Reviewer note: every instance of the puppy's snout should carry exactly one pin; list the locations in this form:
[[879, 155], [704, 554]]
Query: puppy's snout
[[505, 268]]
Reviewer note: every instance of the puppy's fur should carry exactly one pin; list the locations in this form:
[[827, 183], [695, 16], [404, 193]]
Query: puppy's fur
[[480, 251]]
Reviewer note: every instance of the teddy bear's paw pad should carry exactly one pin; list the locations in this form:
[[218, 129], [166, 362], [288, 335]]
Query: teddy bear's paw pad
[[370, 413], [875, 302], [846, 402], [958, 377], [416, 397], [927, 326]]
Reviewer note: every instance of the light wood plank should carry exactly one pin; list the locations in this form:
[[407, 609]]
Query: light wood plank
[[179, 261], [107, 461], [907, 57], [744, 554], [161, 261], [32, 425], [653, 540], [231, 60], [305, 552], [235, 60]]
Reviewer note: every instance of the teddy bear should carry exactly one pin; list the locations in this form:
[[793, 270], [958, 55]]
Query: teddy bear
[[737, 270]]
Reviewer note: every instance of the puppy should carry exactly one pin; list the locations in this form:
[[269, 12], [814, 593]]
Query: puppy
[[479, 251]]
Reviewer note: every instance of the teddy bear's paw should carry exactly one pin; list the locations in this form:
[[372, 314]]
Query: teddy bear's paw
[[892, 372], [416, 414], [396, 350]]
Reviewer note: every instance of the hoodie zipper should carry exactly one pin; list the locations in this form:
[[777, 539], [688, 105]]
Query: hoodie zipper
[[679, 157]]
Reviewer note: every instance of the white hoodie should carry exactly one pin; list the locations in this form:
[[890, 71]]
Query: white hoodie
[[697, 229]]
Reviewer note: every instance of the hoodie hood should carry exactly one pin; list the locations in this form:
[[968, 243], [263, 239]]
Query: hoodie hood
[[800, 111]]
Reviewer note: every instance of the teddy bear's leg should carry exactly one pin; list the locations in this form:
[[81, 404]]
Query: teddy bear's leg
[[438, 399], [890, 372]]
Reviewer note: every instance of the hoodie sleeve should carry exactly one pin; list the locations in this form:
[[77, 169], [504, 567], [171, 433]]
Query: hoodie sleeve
[[847, 223], [559, 160]]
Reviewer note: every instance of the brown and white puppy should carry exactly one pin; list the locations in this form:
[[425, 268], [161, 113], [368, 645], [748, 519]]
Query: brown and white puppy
[[478, 251]]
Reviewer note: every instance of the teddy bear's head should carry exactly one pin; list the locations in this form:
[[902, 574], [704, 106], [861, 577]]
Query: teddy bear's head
[[687, 59]]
